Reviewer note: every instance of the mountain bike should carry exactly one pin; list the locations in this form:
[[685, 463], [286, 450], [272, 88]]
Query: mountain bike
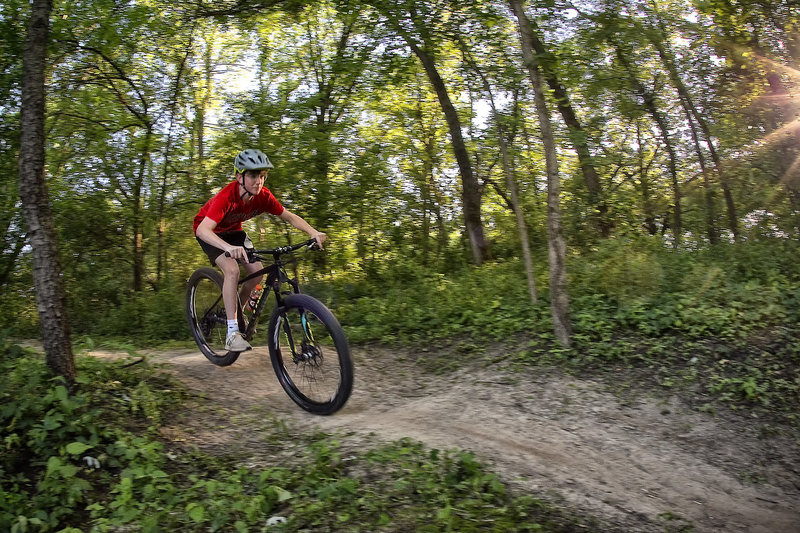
[[307, 346]]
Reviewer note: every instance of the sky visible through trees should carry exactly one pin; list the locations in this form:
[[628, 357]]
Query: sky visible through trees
[[672, 120]]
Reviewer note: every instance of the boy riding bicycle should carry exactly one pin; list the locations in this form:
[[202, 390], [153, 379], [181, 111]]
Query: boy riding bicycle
[[218, 229]]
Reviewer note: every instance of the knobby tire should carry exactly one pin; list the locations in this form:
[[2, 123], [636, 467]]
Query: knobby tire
[[206, 315], [318, 374]]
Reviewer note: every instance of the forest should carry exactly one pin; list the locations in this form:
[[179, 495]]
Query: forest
[[591, 183]]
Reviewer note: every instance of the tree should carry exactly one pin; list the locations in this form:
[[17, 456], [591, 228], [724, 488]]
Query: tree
[[50, 295], [11, 218], [508, 171], [117, 109], [557, 249], [416, 25], [579, 137], [658, 37], [760, 44]]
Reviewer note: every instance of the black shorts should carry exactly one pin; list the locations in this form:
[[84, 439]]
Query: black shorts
[[236, 238]]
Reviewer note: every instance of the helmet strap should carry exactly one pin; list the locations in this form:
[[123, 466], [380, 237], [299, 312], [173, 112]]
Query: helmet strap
[[245, 188]]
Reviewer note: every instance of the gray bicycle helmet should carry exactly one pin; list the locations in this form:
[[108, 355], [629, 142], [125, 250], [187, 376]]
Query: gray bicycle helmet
[[251, 159]]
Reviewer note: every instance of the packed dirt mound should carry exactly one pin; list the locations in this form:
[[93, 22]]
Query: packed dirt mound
[[639, 462]]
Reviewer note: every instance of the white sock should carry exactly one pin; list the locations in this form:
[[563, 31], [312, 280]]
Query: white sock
[[233, 327]]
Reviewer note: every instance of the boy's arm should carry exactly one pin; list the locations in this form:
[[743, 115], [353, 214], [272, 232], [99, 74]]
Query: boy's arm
[[205, 231], [298, 222]]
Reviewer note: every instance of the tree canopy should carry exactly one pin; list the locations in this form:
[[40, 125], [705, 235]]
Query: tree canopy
[[407, 130]]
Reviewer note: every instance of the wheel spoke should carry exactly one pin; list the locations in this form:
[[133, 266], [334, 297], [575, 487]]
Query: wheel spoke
[[310, 355], [207, 317], [316, 377]]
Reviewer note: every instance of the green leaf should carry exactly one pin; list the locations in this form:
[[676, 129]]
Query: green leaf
[[61, 393], [196, 512], [281, 493], [77, 448], [445, 513]]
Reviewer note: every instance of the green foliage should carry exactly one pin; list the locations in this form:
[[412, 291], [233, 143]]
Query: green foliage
[[146, 317], [624, 287], [78, 460], [459, 489], [408, 304], [62, 449], [632, 303]]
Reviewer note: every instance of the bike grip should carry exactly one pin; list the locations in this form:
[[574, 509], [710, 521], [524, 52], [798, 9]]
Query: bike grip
[[249, 256]]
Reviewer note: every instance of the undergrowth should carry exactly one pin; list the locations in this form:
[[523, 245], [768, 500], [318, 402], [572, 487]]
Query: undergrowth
[[726, 318], [93, 460]]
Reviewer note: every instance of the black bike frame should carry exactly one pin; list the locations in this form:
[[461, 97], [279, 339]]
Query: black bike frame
[[276, 276]]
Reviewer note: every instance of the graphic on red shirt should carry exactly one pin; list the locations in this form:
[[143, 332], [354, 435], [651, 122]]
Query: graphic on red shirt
[[228, 210]]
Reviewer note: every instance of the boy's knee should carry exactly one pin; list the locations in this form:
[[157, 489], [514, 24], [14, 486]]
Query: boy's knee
[[230, 269]]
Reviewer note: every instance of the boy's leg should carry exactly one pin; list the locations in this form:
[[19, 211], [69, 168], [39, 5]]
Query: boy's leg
[[248, 286], [230, 272], [229, 268]]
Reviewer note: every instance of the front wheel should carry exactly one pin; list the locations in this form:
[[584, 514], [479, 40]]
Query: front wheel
[[310, 354], [206, 314]]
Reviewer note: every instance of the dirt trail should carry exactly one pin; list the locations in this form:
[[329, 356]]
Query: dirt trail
[[643, 464]]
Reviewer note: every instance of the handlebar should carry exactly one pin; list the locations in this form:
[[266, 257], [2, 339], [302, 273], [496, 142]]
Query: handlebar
[[310, 244]]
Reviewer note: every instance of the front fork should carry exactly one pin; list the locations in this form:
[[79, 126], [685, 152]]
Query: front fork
[[309, 351], [308, 347]]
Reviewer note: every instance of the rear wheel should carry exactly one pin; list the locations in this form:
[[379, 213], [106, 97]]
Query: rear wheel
[[206, 314], [310, 355]]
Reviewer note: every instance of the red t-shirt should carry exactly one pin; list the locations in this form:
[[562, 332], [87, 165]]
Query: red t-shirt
[[228, 210]]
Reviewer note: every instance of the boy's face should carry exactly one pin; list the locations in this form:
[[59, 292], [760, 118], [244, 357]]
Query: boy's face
[[253, 180]]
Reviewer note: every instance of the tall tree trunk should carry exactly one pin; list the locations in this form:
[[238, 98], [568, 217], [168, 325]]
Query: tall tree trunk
[[441, 237], [511, 182], [200, 125], [644, 181], [577, 136], [138, 214], [425, 230], [321, 210], [667, 58], [430, 185], [708, 192], [201, 98], [649, 103], [51, 301], [470, 190], [557, 248], [161, 250]]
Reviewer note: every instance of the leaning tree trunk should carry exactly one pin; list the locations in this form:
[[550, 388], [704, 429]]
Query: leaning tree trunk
[[470, 190], [51, 301], [557, 249], [692, 112], [137, 215], [649, 103], [162, 194], [511, 182], [578, 137]]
